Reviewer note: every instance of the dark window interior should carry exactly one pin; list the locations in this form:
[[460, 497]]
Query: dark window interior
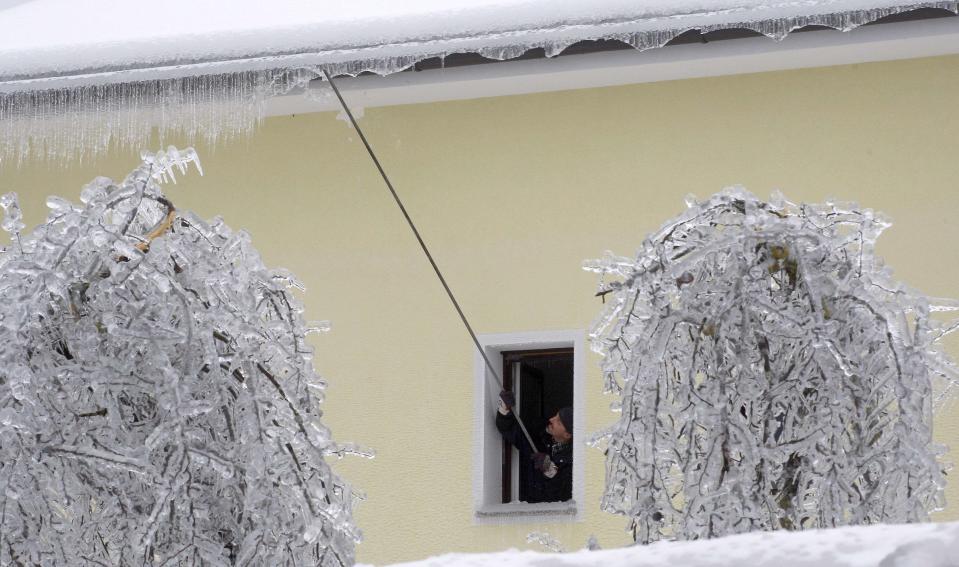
[[545, 384]]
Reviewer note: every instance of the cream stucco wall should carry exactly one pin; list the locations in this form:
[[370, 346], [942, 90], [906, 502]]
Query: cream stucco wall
[[512, 194]]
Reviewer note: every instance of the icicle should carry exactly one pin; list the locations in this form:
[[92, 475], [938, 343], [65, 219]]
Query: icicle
[[74, 124]]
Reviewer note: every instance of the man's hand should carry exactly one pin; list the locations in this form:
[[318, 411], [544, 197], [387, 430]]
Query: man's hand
[[506, 401], [543, 464], [540, 461]]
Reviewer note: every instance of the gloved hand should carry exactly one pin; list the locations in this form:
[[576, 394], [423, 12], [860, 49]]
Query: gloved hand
[[506, 401], [543, 464], [541, 461]]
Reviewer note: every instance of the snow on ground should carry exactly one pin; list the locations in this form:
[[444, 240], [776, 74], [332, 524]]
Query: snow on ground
[[911, 545], [42, 37]]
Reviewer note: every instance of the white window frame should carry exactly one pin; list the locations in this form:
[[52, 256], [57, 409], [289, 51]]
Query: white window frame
[[488, 443]]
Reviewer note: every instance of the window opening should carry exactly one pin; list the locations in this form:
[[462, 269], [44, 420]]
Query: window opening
[[542, 381]]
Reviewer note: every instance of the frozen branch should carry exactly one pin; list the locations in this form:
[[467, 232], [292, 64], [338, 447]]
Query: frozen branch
[[158, 406], [772, 375]]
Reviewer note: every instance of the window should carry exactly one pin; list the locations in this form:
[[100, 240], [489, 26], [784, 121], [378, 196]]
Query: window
[[545, 371], [542, 381]]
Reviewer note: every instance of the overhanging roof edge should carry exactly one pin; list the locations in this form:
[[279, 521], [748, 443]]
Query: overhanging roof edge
[[908, 40], [385, 59]]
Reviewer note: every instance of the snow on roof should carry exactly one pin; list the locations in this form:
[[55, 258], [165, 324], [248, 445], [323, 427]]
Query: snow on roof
[[77, 76], [63, 38], [913, 545]]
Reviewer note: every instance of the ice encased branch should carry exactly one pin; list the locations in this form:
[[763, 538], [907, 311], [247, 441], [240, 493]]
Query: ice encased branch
[[158, 404], [771, 374], [12, 216]]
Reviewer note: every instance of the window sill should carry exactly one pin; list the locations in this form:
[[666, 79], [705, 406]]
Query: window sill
[[516, 512]]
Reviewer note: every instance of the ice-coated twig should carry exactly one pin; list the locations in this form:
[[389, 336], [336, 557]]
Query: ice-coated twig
[[12, 216], [548, 542], [771, 374]]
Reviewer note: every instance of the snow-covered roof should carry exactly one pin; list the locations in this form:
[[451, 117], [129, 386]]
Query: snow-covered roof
[[120, 40], [76, 76], [912, 545]]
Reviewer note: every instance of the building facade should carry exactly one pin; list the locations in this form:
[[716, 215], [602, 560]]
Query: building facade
[[512, 193]]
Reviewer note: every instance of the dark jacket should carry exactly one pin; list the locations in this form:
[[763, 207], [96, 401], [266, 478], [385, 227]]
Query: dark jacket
[[540, 488]]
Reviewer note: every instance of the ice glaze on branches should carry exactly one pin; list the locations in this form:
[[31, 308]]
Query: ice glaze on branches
[[772, 374], [158, 404]]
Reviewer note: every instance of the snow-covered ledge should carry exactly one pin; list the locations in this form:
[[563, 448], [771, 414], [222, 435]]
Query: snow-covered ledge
[[912, 545], [523, 512]]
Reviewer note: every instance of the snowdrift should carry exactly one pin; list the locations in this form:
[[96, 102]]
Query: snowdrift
[[909, 545]]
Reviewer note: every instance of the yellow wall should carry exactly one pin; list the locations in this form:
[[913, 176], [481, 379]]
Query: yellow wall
[[512, 194]]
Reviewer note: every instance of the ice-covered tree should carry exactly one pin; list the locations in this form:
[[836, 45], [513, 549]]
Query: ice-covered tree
[[158, 404], [772, 374]]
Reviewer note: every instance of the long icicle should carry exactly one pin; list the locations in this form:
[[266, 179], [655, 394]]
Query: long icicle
[[429, 256]]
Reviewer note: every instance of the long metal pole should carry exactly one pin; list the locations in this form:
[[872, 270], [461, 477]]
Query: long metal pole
[[429, 256]]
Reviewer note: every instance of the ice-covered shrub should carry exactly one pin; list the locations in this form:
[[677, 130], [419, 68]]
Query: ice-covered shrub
[[158, 404], [772, 374]]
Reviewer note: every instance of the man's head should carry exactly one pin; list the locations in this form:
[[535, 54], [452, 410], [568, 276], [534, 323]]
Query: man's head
[[560, 426]]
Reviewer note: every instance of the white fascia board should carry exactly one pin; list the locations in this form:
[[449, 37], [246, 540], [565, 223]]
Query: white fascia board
[[884, 42]]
